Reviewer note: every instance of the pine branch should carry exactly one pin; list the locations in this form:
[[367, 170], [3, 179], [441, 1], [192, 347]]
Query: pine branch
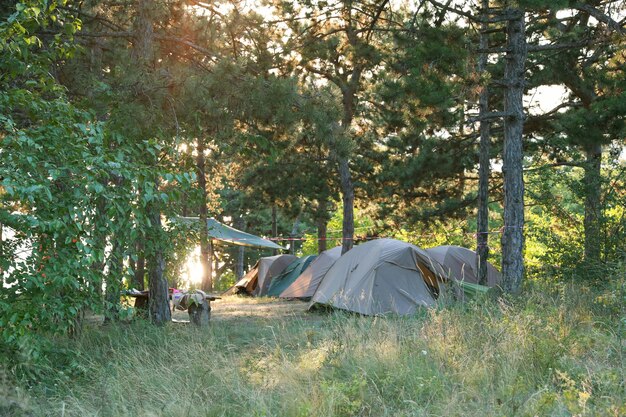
[[130, 35], [601, 17], [489, 116], [501, 16]]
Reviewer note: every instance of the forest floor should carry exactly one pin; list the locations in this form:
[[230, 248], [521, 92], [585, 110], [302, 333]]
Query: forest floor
[[234, 307], [547, 353]]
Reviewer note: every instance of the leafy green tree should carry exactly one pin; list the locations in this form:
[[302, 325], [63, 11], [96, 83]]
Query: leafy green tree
[[590, 66], [52, 154], [340, 43]]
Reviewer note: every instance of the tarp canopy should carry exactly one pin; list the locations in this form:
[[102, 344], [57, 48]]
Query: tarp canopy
[[305, 285], [382, 276], [460, 264], [281, 282], [220, 231]]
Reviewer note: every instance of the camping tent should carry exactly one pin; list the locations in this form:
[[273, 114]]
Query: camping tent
[[258, 279], [281, 282], [270, 267], [460, 263], [381, 276], [305, 285], [224, 233], [246, 284]]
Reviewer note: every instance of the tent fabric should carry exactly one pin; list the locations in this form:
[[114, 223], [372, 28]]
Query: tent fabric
[[305, 285], [269, 267], [460, 263], [246, 284], [381, 276], [224, 233], [284, 279], [256, 282]]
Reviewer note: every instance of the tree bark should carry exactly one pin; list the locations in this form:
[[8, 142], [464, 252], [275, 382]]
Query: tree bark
[[114, 279], [215, 266], [205, 242], [593, 207], [274, 225], [140, 267], [293, 235], [116, 261], [159, 306], [99, 239], [482, 224], [347, 197], [1, 253], [239, 267], [512, 168], [343, 162], [322, 222]]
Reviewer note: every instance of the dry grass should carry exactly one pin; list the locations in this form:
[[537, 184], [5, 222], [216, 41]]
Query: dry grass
[[545, 355]]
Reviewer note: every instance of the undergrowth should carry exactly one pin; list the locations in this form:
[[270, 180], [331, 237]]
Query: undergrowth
[[558, 353]]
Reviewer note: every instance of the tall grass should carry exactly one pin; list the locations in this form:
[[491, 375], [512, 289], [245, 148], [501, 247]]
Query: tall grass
[[557, 354]]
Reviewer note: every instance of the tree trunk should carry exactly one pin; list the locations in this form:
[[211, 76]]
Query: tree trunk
[[239, 267], [345, 176], [593, 212], [185, 205], [513, 235], [200, 313], [215, 266], [99, 239], [347, 189], [114, 279], [159, 306], [1, 254], [205, 243], [322, 221], [274, 225], [294, 231], [116, 261], [140, 268], [482, 224]]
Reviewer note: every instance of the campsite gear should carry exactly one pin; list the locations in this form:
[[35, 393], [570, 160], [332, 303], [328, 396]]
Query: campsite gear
[[224, 233], [305, 285], [246, 284], [288, 276], [198, 307], [381, 276], [257, 281], [471, 290], [460, 264], [197, 303]]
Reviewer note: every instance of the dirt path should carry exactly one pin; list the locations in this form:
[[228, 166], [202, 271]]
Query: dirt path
[[237, 307]]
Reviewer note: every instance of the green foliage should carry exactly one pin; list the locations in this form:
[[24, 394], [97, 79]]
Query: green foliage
[[554, 243], [95, 146], [68, 190], [363, 226]]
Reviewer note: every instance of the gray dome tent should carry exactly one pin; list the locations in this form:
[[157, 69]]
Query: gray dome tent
[[381, 276], [257, 281], [460, 263], [305, 285]]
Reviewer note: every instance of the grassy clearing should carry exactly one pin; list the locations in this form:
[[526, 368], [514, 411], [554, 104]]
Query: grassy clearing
[[560, 354]]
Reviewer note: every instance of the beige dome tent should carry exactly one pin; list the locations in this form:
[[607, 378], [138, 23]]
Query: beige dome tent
[[381, 276], [460, 263], [305, 285], [257, 280]]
